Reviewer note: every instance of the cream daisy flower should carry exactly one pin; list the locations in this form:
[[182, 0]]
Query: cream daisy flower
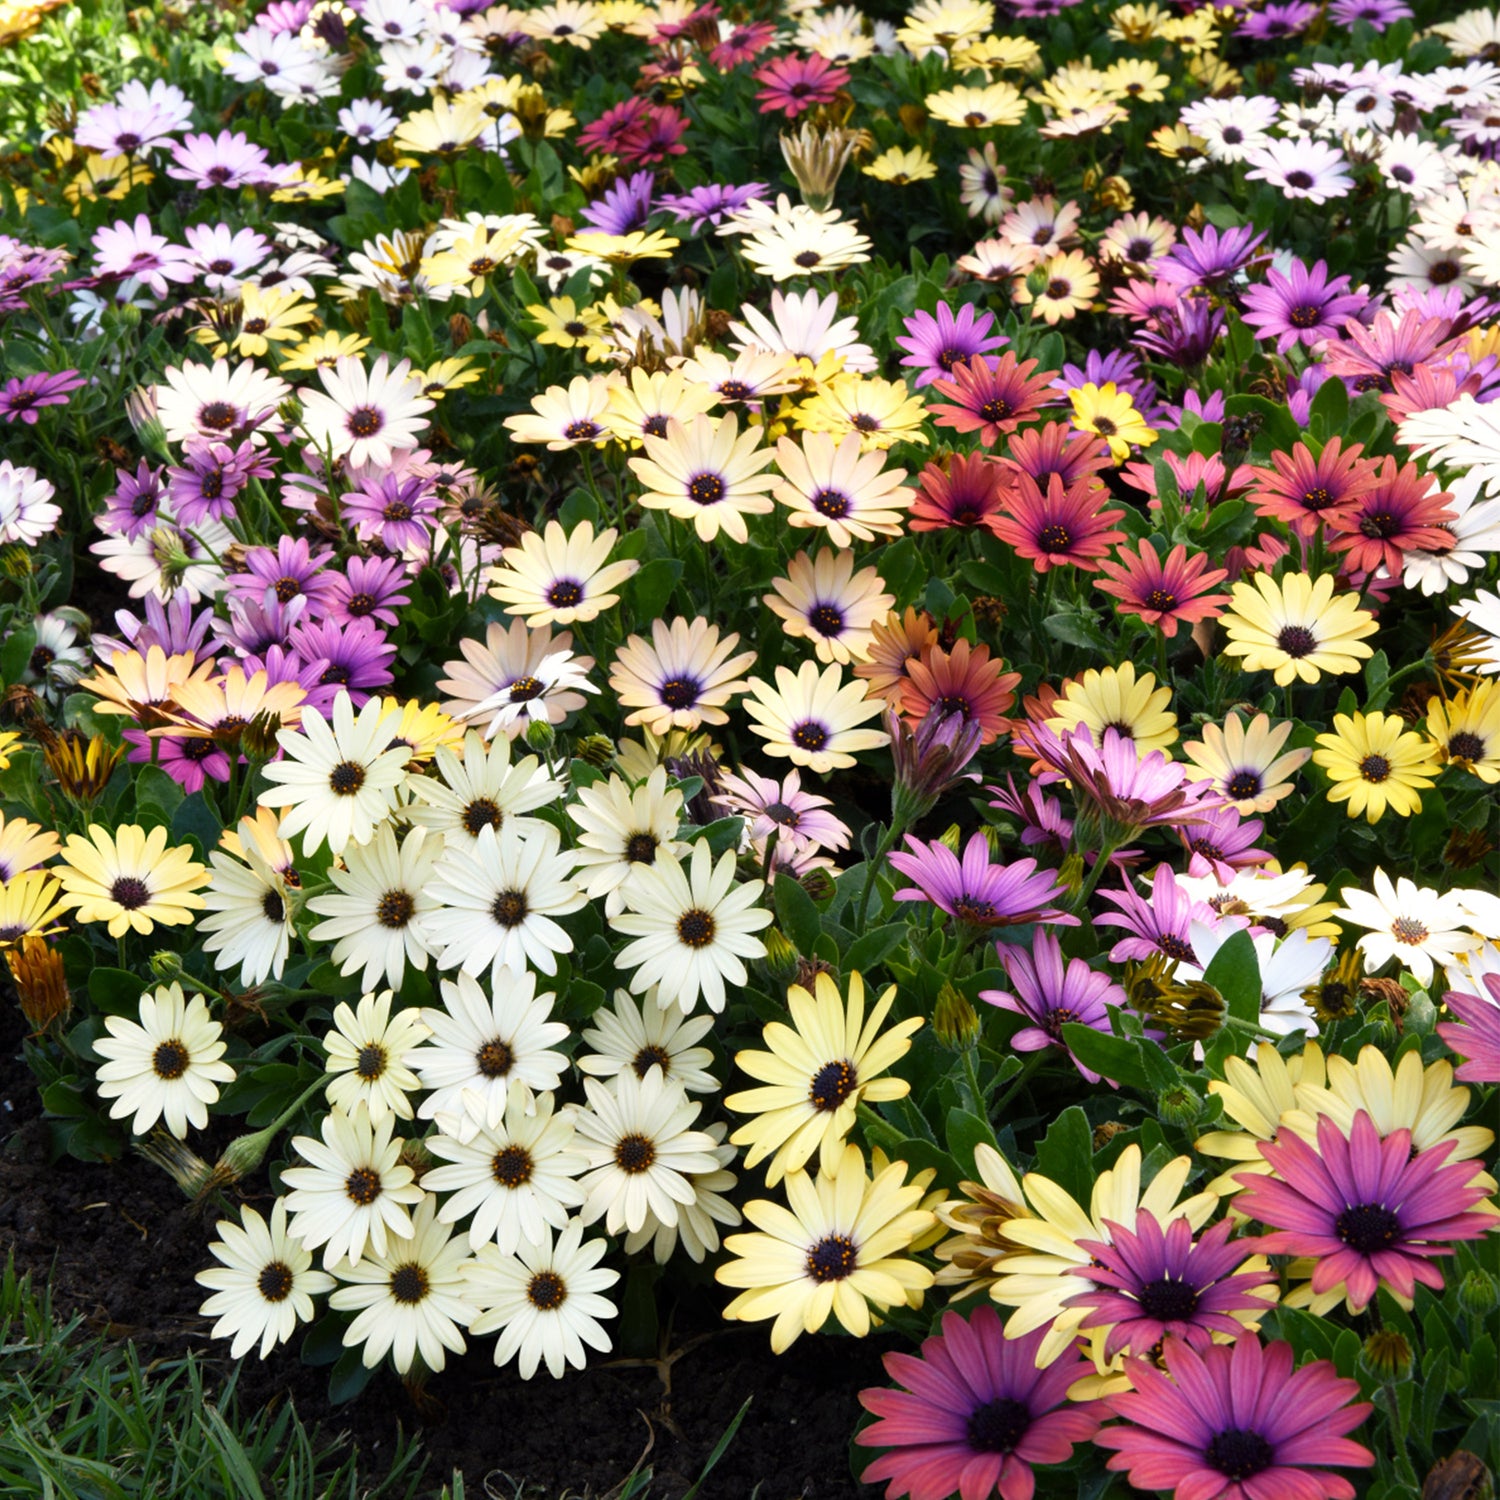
[[838, 1250], [649, 1035], [827, 602], [379, 906], [410, 1296], [682, 679], [1121, 699], [697, 1226], [813, 717], [340, 779], [23, 846], [708, 473], [751, 376], [514, 1181], [1296, 628], [480, 1047], [483, 789], [558, 577], [804, 244], [692, 926], [564, 417], [1412, 924], [637, 1143], [516, 676], [622, 828], [366, 415], [543, 1301], [645, 406], [1245, 764], [1257, 1095], [251, 907], [499, 900], [354, 1190], [164, 1067], [365, 1051], [130, 879], [264, 1284], [30, 906], [840, 488]]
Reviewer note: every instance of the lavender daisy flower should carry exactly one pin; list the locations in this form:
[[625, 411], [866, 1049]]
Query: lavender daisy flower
[[1278, 19], [1236, 1423], [1370, 1212], [625, 206], [358, 655], [288, 570], [190, 760], [137, 121], [1184, 333], [709, 205], [977, 892], [282, 665], [1478, 1038], [1149, 1283], [935, 344], [1223, 842], [1377, 14], [397, 512], [23, 396], [1301, 169], [135, 505], [256, 624], [1209, 258], [173, 626], [211, 477], [1050, 992], [227, 160], [137, 253], [929, 760], [783, 808], [1303, 307], [369, 588], [1040, 816], [1159, 923]]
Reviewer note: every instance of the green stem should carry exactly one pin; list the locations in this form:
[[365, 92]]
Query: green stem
[[887, 843], [1028, 1067], [1386, 1398]]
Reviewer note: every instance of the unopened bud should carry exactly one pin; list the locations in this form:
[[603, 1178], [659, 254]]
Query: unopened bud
[[1477, 1293], [40, 980], [540, 735], [818, 884], [1179, 1106], [1037, 280], [954, 1021], [179, 1161], [259, 739], [166, 965], [460, 330], [1386, 1355], [596, 749], [781, 954]]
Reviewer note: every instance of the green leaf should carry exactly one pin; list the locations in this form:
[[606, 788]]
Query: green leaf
[[797, 913], [195, 820], [15, 654], [1235, 974], [115, 992], [964, 1131], [645, 595], [1065, 1154], [349, 1377], [1112, 1057], [867, 951], [1330, 409]]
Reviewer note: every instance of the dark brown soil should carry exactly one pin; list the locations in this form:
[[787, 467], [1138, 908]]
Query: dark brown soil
[[122, 1251]]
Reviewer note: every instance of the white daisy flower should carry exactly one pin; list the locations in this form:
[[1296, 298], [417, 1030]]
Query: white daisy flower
[[219, 402], [27, 513], [365, 1051], [264, 1285], [250, 908], [692, 926], [499, 901], [1413, 924], [806, 326], [1475, 529], [411, 1296], [651, 1035], [57, 659], [1288, 967], [379, 906], [479, 790], [338, 782], [543, 1301], [538, 697], [505, 660], [1468, 972], [622, 829], [479, 1047], [354, 1189], [166, 1067], [167, 561], [639, 1146], [697, 1222], [512, 1181], [366, 413]]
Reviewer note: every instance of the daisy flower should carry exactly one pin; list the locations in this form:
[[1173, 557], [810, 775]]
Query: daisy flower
[[1301, 167], [682, 679], [166, 1066], [1118, 698], [1465, 732], [354, 1188], [565, 417], [410, 1296], [976, 891], [480, 790], [989, 397], [498, 902], [340, 779], [1111, 413], [29, 907], [362, 415], [827, 602], [1296, 628], [251, 906], [836, 486], [692, 927], [480, 1047], [1304, 307], [623, 828], [838, 1250], [1245, 764], [813, 717], [379, 906], [816, 1073], [1375, 763], [515, 677], [696, 1230], [23, 846], [649, 1035], [938, 343], [27, 513], [978, 107], [804, 244], [558, 577], [966, 681], [1475, 1035], [707, 472], [791, 84], [264, 1284], [964, 490], [1163, 591], [781, 807], [643, 407], [1052, 523], [544, 1301], [1071, 286], [806, 326], [1413, 924], [973, 1413], [364, 1056], [130, 879], [1232, 1422]]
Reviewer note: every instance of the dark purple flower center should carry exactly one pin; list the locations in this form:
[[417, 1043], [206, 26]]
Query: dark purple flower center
[[640, 848], [809, 736], [1240, 1453], [170, 1060], [826, 619], [511, 1166], [565, 594], [1168, 1301], [1175, 947], [973, 910], [831, 503], [695, 928], [680, 692], [832, 1259], [346, 778], [130, 893], [1375, 769], [1368, 1227], [1162, 599], [634, 1154], [1054, 538], [582, 432], [1304, 316], [219, 415], [996, 409], [1297, 641], [1244, 785], [1464, 745], [509, 908], [274, 1283], [706, 489], [495, 1059], [523, 689], [365, 422], [998, 1425], [1299, 179], [831, 1085]]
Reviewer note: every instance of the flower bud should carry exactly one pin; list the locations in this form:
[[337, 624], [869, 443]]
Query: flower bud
[[259, 739], [166, 965], [41, 983], [179, 1161], [596, 749], [818, 884], [540, 735], [1477, 1293], [1386, 1356], [1179, 1106], [781, 954], [954, 1021]]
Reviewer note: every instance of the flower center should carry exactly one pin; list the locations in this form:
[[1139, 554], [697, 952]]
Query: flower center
[[1161, 599], [170, 1060], [130, 892], [394, 909], [1243, 785], [1240, 1453], [1168, 1301], [524, 689], [831, 503], [696, 928], [346, 778], [1305, 316], [831, 1085], [546, 1291], [409, 1283], [735, 390], [480, 813], [1175, 947], [973, 910], [1408, 930], [582, 432], [651, 1056], [509, 908], [809, 736], [370, 1063], [832, 1258], [1054, 538], [219, 415], [495, 1059], [706, 489], [954, 703], [362, 1186], [365, 422], [1297, 641], [1375, 768], [1367, 1228], [996, 409], [511, 1166], [826, 619], [1379, 525], [1299, 179], [998, 1425], [1466, 745], [634, 1154], [273, 907], [565, 594], [275, 1281], [640, 849], [680, 692]]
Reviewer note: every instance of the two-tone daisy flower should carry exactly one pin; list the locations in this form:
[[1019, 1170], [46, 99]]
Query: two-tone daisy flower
[[1245, 764], [365, 1057], [1475, 1035], [623, 827], [1163, 591], [966, 682], [1296, 628], [1465, 731], [816, 1074], [837, 486], [882, 412], [707, 472], [130, 879], [558, 577], [165, 1066], [795, 816], [825, 601], [1119, 698], [1413, 924], [363, 416], [1375, 762], [481, 788], [649, 1035], [564, 417], [23, 846], [682, 678], [813, 717]]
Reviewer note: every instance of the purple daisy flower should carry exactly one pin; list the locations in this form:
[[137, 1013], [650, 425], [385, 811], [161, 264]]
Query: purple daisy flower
[[227, 160], [625, 205], [975, 1413], [977, 892], [358, 655], [282, 665], [173, 626], [1183, 333], [1223, 842], [1278, 19], [255, 625], [1237, 1422], [1040, 816], [712, 203], [1159, 923], [1478, 1038], [930, 759], [1369, 1211], [211, 477], [1050, 992], [782, 807], [935, 344], [1209, 258], [369, 588], [289, 570], [1148, 1283], [1117, 366], [397, 512], [135, 505], [190, 760], [23, 396], [1377, 14]]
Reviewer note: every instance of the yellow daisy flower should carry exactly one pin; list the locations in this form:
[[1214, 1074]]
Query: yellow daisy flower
[[268, 315], [1375, 762], [645, 406], [1120, 699], [9, 739], [973, 1255], [882, 412], [1111, 414], [29, 907], [1135, 78], [901, 166], [1071, 286], [1466, 732], [422, 727], [446, 375], [322, 351], [623, 249], [1256, 1093], [997, 103], [567, 326], [23, 846], [1296, 628], [110, 177], [130, 879], [445, 130]]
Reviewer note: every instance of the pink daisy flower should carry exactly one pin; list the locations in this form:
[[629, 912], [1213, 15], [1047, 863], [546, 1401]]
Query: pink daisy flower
[[793, 84], [1163, 591], [1478, 1038]]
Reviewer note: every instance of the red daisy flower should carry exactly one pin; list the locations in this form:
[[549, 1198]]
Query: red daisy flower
[[1059, 525], [1163, 591], [1403, 512], [895, 644], [989, 400], [970, 492], [793, 84], [1057, 449], [965, 681], [1301, 489]]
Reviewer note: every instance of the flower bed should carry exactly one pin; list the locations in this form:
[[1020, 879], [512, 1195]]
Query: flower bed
[[831, 668]]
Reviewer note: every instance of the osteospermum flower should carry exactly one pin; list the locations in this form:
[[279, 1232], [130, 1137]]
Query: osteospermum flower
[[1163, 591], [1375, 762], [557, 577], [1237, 1423], [977, 891], [1111, 414], [1245, 764], [564, 417], [971, 489], [1052, 523], [1370, 1212], [795, 816], [165, 1066], [684, 678], [837, 486], [838, 1250], [1301, 489], [973, 1413], [825, 601], [989, 397], [1295, 628], [1304, 306], [966, 681], [937, 344], [1402, 510], [1475, 1036], [130, 879], [706, 471], [1465, 732], [365, 1049], [1413, 924], [1118, 698], [27, 513], [622, 827], [365, 415], [483, 789], [816, 1074], [649, 1035], [813, 717]]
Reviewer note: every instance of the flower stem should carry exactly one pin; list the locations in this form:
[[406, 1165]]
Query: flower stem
[[887, 843]]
